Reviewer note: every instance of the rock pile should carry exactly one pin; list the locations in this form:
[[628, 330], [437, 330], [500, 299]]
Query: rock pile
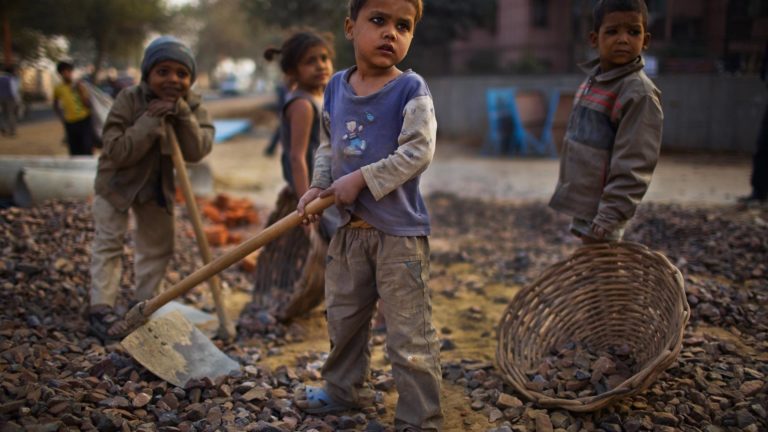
[[56, 377], [575, 370], [719, 382]]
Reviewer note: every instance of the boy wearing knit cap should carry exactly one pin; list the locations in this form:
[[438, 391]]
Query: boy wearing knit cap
[[135, 171]]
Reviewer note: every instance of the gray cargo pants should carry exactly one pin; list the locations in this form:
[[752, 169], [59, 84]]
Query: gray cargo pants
[[365, 265]]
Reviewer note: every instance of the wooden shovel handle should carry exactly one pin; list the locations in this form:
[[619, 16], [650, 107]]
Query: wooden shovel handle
[[226, 329], [241, 251]]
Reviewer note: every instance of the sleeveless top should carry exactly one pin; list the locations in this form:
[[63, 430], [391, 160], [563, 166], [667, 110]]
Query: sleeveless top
[[285, 135]]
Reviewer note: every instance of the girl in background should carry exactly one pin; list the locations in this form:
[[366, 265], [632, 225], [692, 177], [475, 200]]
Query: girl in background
[[283, 87], [290, 271]]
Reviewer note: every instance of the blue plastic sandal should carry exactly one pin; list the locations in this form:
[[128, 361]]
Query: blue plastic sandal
[[319, 402]]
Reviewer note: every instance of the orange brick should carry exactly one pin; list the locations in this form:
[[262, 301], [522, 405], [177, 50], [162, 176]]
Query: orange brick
[[213, 214], [235, 238], [179, 196], [222, 201], [235, 217], [242, 203], [217, 235], [252, 216], [248, 264]]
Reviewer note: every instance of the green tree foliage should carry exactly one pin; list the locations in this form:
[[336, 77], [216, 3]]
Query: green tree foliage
[[28, 44], [323, 15], [283, 16], [444, 21], [222, 30], [111, 29], [447, 20], [116, 28]]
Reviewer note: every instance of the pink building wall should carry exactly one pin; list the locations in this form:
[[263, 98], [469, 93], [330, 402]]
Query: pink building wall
[[558, 46], [517, 37]]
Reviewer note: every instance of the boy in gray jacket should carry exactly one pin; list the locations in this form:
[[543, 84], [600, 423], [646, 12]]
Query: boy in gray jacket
[[613, 138], [135, 171]]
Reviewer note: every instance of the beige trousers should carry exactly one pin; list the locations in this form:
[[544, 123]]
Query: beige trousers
[[154, 238], [365, 265]]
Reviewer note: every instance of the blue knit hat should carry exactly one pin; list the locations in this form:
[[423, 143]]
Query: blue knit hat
[[167, 48]]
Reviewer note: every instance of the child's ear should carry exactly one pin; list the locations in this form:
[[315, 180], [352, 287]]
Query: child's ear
[[646, 41], [348, 25], [593, 36]]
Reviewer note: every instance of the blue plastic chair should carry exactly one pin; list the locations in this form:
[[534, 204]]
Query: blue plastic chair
[[506, 133]]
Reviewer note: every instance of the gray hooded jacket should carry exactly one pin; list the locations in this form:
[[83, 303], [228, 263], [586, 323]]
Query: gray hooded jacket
[[611, 146]]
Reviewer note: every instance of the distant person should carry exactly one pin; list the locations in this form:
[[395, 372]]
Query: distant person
[[10, 101], [380, 135], [306, 59], [73, 107], [135, 172], [613, 138], [759, 179], [281, 90], [112, 87]]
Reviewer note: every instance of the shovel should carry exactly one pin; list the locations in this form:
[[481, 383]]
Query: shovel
[[226, 330], [174, 349]]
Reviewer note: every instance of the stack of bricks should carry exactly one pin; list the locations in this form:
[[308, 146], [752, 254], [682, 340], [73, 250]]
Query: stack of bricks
[[224, 213]]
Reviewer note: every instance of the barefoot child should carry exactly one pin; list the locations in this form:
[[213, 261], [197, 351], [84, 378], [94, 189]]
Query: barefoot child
[[613, 138], [306, 61], [381, 127], [135, 171]]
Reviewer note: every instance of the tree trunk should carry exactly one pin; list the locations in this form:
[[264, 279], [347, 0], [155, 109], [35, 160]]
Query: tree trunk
[[97, 62], [7, 47], [100, 38]]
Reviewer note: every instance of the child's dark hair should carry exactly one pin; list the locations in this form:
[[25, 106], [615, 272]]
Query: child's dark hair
[[356, 5], [295, 47], [64, 66], [604, 7]]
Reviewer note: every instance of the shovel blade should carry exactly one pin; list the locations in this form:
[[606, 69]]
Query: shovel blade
[[176, 351], [205, 322]]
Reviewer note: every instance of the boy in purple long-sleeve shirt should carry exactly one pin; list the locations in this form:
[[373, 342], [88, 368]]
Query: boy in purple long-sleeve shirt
[[381, 127]]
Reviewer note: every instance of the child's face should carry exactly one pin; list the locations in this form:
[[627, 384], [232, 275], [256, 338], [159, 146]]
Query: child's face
[[314, 69], [66, 75], [620, 39], [382, 33], [169, 80]]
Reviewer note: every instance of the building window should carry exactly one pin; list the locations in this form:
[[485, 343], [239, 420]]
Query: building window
[[540, 13]]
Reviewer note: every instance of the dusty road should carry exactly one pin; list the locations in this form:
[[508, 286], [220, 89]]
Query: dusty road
[[239, 166]]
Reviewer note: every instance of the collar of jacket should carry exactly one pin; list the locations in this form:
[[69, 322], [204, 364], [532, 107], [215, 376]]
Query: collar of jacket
[[592, 68], [193, 99]]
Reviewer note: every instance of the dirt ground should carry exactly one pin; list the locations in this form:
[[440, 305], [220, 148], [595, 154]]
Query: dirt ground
[[241, 169]]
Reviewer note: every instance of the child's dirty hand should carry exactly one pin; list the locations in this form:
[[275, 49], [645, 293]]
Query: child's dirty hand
[[160, 107], [182, 108], [305, 199], [599, 232], [347, 188]]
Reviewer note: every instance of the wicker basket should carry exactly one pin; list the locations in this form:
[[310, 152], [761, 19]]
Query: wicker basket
[[604, 295]]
